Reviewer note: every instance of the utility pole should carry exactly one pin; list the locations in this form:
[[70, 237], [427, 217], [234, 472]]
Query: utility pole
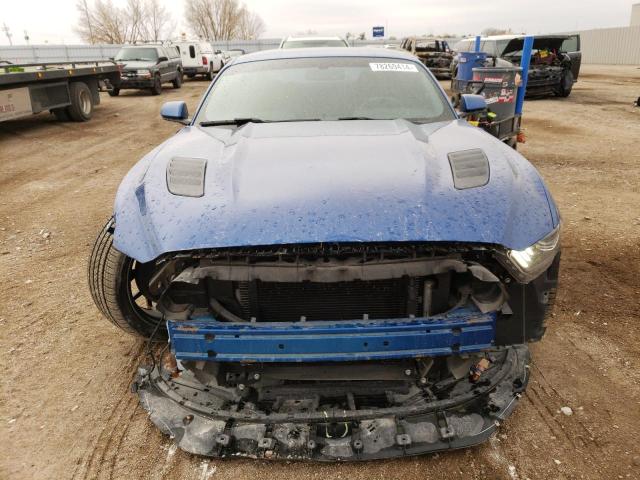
[[26, 37], [7, 32]]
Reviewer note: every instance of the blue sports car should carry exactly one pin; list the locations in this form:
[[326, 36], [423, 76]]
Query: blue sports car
[[341, 266]]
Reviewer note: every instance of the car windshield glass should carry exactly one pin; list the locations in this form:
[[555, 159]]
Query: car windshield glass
[[325, 89], [141, 54], [426, 46], [313, 43], [500, 45]]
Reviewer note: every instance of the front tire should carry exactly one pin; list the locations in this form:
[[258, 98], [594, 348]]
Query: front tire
[[156, 89], [114, 288], [177, 82], [114, 92], [566, 83]]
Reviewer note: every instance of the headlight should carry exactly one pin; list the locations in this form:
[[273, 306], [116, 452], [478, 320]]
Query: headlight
[[143, 73], [526, 265]]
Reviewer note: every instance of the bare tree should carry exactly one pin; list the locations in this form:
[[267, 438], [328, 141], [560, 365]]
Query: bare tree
[[134, 16], [158, 24], [109, 23], [139, 20], [250, 25], [222, 20], [495, 31], [85, 27]]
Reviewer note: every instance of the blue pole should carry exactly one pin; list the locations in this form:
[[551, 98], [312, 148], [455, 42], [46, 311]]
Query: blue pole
[[524, 65], [477, 48]]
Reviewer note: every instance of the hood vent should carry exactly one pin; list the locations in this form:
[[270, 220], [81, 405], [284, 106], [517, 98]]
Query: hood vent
[[470, 168], [185, 176]]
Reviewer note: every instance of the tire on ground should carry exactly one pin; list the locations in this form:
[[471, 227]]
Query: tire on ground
[[156, 89], [177, 82], [566, 83], [81, 107], [114, 92], [61, 114], [109, 283]]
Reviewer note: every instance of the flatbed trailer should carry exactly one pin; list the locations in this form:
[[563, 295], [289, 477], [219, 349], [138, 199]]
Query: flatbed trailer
[[69, 90]]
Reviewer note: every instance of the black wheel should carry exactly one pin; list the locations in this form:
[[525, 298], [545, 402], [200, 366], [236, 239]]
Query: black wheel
[[157, 86], [61, 114], [114, 282], [81, 107], [566, 83], [177, 82], [209, 75], [114, 92], [190, 76]]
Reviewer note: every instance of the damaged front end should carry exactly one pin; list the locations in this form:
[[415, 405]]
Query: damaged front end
[[339, 352]]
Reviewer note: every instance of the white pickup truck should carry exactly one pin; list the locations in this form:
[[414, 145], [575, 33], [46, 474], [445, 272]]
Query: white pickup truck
[[199, 58]]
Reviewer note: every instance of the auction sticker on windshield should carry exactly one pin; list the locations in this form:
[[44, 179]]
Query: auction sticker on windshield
[[393, 67]]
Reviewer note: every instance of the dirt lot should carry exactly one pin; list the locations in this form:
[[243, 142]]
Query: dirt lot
[[65, 406]]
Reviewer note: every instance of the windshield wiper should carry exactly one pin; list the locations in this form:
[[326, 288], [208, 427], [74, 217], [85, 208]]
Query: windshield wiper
[[236, 121], [412, 120], [242, 121], [359, 118]]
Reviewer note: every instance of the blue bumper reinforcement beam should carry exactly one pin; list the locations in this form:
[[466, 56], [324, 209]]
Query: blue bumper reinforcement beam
[[462, 330]]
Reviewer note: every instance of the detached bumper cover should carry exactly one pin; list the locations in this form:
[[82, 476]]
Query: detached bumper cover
[[463, 330], [206, 421]]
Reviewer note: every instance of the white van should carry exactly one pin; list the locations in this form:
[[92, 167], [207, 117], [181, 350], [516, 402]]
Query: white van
[[198, 58]]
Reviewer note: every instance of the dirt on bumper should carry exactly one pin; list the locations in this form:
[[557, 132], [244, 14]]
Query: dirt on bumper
[[211, 422]]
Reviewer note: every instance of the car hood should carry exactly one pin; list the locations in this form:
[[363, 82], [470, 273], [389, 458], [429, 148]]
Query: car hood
[[349, 181], [135, 65], [547, 42]]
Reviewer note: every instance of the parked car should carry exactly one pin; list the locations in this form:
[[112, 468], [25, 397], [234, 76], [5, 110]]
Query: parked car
[[312, 42], [148, 67], [199, 58], [433, 52], [229, 56], [344, 269], [554, 66]]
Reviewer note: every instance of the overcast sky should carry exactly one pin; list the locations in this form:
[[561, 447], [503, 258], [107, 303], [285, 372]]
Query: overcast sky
[[53, 20]]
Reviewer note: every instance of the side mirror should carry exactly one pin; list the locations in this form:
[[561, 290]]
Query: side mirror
[[175, 112], [162, 59], [218, 52], [472, 103]]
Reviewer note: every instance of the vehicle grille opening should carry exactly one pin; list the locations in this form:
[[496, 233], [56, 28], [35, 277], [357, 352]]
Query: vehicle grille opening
[[376, 299]]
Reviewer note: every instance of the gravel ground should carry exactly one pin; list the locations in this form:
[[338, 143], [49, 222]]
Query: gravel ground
[[65, 406]]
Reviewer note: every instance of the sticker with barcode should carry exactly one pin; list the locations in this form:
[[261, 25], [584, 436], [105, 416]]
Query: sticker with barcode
[[393, 67]]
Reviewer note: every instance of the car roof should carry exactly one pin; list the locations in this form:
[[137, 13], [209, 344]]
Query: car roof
[[324, 52], [190, 42], [306, 39], [425, 38], [512, 37]]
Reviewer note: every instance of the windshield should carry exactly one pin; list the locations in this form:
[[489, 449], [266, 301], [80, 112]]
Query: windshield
[[325, 89], [140, 54], [314, 43]]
